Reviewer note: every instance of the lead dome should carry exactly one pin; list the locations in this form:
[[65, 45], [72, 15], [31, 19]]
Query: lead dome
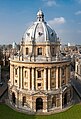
[[40, 31]]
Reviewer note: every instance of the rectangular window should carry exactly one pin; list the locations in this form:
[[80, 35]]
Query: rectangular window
[[39, 51], [26, 51], [77, 68], [53, 74], [62, 71], [16, 71], [39, 74], [25, 73], [15, 81], [23, 101], [39, 84], [53, 51], [63, 81]]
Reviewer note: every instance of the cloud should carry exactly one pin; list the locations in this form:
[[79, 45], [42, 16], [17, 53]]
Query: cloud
[[50, 3], [78, 12], [57, 21], [79, 1], [79, 31]]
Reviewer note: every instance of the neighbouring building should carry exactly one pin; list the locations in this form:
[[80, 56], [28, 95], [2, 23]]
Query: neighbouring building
[[39, 74], [78, 67], [0, 73]]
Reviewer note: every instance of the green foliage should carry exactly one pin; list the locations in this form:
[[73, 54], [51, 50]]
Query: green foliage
[[72, 113]]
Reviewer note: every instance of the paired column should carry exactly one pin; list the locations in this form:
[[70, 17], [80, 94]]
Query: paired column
[[66, 74], [21, 77], [60, 76], [33, 77], [61, 100], [49, 78], [12, 74], [45, 79], [56, 77], [29, 78]]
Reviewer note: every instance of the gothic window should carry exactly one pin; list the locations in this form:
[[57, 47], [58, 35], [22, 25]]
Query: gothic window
[[26, 51], [39, 51], [24, 100], [39, 74]]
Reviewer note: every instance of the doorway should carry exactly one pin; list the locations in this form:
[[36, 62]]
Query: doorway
[[39, 104], [13, 98]]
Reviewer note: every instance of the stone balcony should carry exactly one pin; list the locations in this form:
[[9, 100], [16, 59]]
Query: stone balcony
[[39, 58]]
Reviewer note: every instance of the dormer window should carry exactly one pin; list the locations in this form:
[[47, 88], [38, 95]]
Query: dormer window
[[26, 51], [28, 34], [51, 33], [39, 51]]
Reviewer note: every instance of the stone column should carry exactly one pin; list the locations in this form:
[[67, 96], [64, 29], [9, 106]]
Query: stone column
[[29, 78], [66, 74], [36, 79], [60, 77], [56, 77], [61, 100], [18, 77], [21, 77], [49, 78], [12, 74], [0, 73], [44, 78], [33, 76]]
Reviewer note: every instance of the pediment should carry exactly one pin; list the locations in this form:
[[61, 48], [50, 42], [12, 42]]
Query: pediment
[[39, 93]]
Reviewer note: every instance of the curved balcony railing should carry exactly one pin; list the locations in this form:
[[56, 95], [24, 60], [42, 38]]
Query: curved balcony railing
[[39, 58]]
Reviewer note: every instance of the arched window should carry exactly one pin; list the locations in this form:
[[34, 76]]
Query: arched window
[[39, 51], [13, 98], [24, 100], [26, 51], [53, 101], [39, 104]]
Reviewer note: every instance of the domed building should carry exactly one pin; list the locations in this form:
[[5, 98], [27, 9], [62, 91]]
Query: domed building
[[39, 74]]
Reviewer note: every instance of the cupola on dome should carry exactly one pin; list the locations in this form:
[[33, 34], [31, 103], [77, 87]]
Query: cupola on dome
[[40, 31]]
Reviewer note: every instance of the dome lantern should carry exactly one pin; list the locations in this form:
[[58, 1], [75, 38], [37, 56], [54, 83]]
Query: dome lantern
[[40, 16]]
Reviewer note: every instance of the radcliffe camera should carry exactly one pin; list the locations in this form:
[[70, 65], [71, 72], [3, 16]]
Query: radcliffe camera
[[40, 69]]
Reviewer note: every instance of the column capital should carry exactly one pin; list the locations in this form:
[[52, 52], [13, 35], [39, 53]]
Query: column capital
[[33, 67], [49, 67], [57, 66], [45, 67]]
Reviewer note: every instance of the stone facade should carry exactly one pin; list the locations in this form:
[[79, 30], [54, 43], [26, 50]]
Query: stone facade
[[39, 74], [78, 67]]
